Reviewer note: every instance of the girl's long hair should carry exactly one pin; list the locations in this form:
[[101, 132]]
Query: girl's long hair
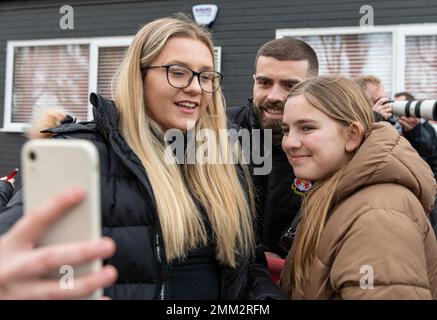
[[216, 187], [343, 100]]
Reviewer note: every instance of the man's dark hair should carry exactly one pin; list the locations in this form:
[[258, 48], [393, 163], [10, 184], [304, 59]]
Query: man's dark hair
[[408, 96], [289, 48]]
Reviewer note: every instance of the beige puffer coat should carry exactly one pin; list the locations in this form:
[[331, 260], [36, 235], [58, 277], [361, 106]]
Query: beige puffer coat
[[378, 229]]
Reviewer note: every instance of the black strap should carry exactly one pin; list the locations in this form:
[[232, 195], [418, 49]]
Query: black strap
[[407, 108], [417, 109], [434, 111]]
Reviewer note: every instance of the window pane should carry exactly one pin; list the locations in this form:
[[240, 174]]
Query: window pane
[[421, 66], [110, 59], [354, 55], [50, 76]]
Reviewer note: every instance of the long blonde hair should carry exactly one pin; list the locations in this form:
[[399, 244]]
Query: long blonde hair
[[216, 187], [343, 100]]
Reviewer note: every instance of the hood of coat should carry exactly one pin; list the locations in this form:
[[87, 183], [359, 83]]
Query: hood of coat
[[387, 157], [50, 121], [44, 119]]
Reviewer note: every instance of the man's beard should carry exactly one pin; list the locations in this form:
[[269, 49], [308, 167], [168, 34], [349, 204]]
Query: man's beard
[[266, 123]]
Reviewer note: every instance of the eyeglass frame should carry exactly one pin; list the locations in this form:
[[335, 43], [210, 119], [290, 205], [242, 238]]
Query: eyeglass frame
[[193, 74]]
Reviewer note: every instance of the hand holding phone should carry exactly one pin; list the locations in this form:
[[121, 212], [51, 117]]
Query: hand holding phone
[[51, 166], [23, 266]]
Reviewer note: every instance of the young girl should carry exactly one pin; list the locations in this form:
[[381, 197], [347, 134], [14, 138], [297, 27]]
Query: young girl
[[364, 233], [182, 231]]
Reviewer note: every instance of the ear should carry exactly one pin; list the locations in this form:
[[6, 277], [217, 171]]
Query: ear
[[354, 135]]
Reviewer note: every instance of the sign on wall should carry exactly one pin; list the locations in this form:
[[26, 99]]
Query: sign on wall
[[205, 14]]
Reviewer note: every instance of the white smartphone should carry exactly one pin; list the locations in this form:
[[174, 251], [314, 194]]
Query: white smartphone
[[51, 166]]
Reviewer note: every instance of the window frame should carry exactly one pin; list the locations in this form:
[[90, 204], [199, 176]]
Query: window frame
[[8, 125], [399, 33], [94, 45]]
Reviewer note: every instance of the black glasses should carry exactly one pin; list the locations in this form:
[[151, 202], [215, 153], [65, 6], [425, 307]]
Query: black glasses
[[180, 77]]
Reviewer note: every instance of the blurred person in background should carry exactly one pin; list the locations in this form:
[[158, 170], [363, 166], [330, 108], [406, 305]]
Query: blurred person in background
[[6, 191]]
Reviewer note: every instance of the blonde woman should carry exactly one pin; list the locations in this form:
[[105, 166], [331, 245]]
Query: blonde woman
[[183, 231], [364, 233]]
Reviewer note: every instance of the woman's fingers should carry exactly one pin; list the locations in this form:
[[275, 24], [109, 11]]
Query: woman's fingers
[[48, 259], [82, 287], [20, 275], [33, 224]]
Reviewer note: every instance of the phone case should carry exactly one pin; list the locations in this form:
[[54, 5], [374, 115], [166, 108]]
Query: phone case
[[51, 166]]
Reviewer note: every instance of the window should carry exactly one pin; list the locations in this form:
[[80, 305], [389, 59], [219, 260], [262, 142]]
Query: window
[[110, 59], [421, 66], [352, 55], [61, 74], [218, 58], [404, 57], [49, 76]]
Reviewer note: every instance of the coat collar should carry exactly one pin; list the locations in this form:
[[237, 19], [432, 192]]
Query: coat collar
[[387, 157]]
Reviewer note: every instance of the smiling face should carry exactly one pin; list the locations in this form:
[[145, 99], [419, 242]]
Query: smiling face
[[170, 107], [273, 81], [315, 144]]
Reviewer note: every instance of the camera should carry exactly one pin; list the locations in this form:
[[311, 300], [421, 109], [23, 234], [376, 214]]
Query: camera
[[32, 155], [426, 109]]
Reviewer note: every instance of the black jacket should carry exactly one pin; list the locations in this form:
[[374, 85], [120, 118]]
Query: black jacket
[[277, 204], [6, 191], [423, 138], [129, 217]]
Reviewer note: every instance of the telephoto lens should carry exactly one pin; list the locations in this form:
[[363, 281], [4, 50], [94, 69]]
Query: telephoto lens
[[426, 109]]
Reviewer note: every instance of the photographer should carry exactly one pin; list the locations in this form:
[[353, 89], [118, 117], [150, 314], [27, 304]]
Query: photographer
[[419, 133]]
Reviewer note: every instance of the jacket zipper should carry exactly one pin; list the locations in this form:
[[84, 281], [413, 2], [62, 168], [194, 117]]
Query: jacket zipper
[[101, 125], [161, 295]]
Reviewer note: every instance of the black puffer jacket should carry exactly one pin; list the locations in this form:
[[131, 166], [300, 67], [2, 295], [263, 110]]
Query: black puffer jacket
[[423, 138], [6, 191], [129, 217], [277, 204]]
